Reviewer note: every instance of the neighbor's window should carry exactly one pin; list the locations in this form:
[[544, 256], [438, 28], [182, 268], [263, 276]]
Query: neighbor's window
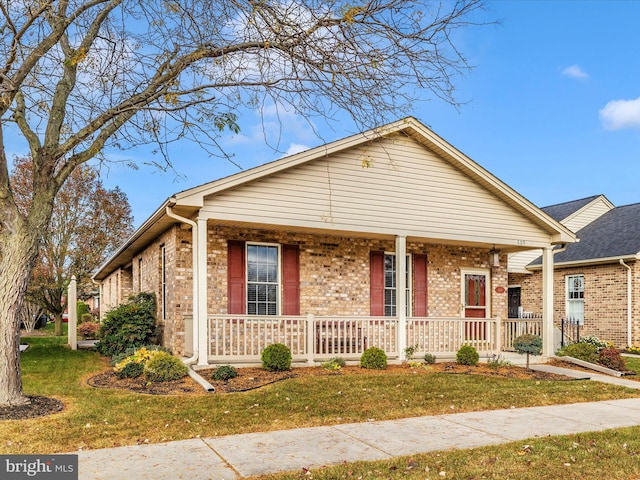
[[575, 298], [263, 284], [390, 299]]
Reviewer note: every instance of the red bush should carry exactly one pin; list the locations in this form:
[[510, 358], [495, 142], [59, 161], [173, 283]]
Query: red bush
[[610, 357]]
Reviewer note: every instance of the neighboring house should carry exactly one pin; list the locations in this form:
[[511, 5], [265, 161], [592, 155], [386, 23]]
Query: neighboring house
[[304, 251], [596, 279]]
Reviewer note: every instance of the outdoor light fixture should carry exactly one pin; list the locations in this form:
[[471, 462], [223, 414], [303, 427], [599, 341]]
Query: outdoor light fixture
[[494, 257]]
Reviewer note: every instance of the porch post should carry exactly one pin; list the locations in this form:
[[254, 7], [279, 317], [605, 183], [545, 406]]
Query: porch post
[[201, 319], [401, 297], [547, 302]]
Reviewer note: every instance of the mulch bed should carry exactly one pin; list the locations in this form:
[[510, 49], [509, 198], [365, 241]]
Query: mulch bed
[[37, 407], [250, 378]]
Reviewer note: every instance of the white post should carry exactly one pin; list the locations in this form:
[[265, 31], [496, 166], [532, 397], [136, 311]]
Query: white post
[[72, 300], [202, 319], [401, 297], [310, 336], [547, 302]]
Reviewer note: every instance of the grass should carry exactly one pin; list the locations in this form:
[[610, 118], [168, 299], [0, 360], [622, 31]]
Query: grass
[[588, 456], [95, 418]]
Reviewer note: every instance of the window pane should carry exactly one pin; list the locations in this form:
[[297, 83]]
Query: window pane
[[262, 279]]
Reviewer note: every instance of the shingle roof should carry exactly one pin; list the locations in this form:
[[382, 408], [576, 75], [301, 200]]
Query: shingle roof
[[560, 211], [614, 234]]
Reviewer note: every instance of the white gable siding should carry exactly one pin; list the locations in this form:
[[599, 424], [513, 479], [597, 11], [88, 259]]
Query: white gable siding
[[392, 186], [587, 214]]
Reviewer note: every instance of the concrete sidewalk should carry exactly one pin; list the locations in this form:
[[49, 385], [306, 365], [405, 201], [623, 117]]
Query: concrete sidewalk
[[237, 456]]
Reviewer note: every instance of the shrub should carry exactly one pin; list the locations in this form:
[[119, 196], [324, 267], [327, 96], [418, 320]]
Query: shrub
[[373, 358], [582, 351], [224, 373], [610, 357], [276, 358], [595, 341], [88, 329], [81, 309], [409, 351], [529, 344], [634, 350], [128, 325], [429, 358], [132, 351], [86, 317], [163, 367], [130, 370], [467, 355], [335, 363]]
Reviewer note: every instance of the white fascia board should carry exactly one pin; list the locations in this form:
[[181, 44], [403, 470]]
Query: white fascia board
[[589, 262]]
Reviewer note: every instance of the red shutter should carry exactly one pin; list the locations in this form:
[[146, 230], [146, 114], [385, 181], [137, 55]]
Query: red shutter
[[420, 286], [290, 280], [376, 267], [237, 301]]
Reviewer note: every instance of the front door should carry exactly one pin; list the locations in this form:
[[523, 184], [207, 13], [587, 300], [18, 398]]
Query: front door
[[475, 294], [514, 302]]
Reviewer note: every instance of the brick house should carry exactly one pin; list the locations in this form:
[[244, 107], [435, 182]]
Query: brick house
[[303, 251], [596, 279]]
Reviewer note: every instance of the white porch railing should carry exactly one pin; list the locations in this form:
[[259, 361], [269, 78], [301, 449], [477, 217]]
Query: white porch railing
[[445, 336], [514, 327], [242, 338]]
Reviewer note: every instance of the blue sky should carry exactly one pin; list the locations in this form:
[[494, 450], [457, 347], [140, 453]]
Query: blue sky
[[553, 110]]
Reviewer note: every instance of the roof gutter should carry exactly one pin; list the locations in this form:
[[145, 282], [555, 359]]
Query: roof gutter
[[196, 300], [629, 323]]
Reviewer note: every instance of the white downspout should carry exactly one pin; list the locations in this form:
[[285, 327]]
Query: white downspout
[[629, 291], [196, 300]]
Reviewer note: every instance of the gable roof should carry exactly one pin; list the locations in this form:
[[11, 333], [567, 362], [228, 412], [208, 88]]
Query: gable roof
[[614, 235], [189, 202], [561, 211]]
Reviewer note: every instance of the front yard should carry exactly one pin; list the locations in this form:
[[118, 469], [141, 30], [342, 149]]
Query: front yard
[[98, 418]]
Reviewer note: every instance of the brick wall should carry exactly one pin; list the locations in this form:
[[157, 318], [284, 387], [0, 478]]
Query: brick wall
[[334, 274], [605, 299]]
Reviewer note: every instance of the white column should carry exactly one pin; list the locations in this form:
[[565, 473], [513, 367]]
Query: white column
[[547, 302], [201, 319], [401, 286], [72, 300]]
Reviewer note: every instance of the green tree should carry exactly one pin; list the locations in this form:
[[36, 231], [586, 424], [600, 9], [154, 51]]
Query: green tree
[[78, 77]]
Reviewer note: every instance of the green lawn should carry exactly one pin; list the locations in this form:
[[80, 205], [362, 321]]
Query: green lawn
[[95, 418]]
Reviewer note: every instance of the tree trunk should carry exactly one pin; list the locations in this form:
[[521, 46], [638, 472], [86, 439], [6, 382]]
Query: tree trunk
[[18, 251], [58, 329]]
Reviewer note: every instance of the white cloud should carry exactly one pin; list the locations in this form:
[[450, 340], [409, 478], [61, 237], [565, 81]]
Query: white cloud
[[574, 71], [620, 114], [296, 148]]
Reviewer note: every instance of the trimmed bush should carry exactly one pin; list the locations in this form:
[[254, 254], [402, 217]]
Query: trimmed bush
[[610, 357], [373, 358], [467, 355], [163, 367], [88, 330], [130, 325], [224, 373], [429, 358], [82, 309], [276, 358], [582, 351], [131, 351], [335, 363]]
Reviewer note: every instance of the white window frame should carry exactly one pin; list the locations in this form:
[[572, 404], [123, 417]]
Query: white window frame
[[571, 303], [408, 289], [279, 273]]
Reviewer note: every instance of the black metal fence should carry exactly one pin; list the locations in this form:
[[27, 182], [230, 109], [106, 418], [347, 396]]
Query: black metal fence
[[570, 328]]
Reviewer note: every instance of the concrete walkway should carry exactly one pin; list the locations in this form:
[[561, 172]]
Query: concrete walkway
[[237, 456]]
